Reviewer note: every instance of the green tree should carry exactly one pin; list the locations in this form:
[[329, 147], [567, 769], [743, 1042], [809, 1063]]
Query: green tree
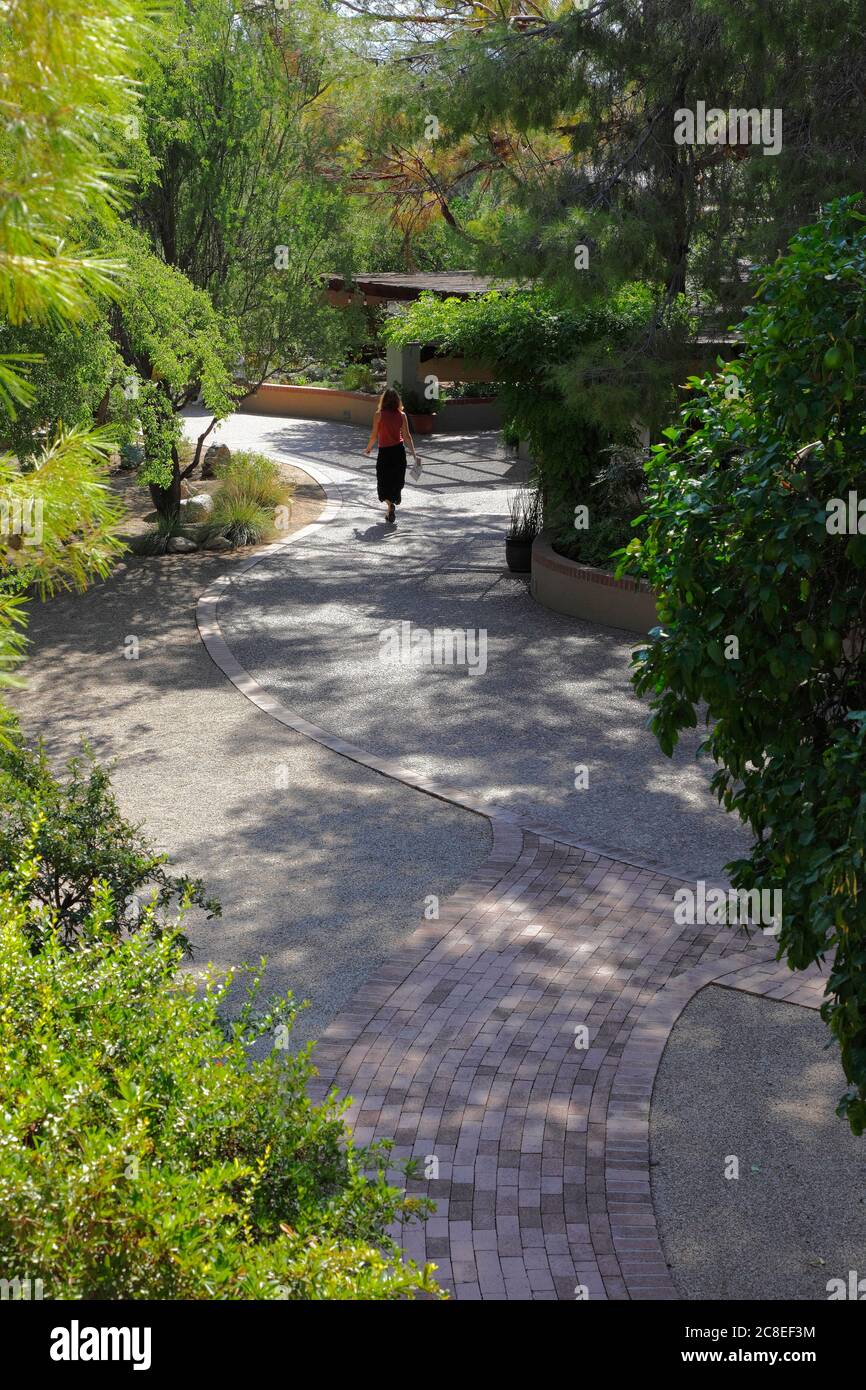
[[247, 120], [570, 114], [761, 603], [178, 348], [67, 74], [67, 383], [83, 845]]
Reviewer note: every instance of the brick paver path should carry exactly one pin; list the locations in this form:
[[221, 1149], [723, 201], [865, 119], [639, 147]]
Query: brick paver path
[[463, 1049]]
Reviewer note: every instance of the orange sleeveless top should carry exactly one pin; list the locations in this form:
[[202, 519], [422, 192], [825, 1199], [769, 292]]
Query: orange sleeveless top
[[390, 428]]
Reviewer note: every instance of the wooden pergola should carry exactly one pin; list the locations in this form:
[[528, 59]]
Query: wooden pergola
[[385, 287]]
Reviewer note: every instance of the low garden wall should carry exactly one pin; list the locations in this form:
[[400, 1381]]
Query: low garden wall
[[582, 591], [312, 403], [357, 408]]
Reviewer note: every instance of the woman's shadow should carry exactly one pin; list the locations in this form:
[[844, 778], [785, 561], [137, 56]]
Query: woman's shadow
[[379, 531]]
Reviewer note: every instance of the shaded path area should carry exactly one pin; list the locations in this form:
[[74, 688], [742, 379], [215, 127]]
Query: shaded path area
[[497, 995], [769, 1105], [512, 1050], [311, 624], [320, 866]]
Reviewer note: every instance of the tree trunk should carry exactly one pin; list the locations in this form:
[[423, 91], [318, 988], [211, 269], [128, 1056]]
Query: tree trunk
[[166, 500]]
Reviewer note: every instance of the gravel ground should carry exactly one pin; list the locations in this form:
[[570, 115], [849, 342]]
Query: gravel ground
[[321, 865], [752, 1077], [311, 625]]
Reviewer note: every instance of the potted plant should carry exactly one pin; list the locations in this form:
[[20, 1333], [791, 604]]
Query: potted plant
[[524, 525], [419, 409]]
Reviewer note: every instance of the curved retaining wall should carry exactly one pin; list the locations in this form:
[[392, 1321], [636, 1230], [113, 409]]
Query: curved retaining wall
[[582, 591], [357, 408]]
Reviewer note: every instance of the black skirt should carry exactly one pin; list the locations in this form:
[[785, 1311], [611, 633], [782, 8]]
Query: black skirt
[[391, 472]]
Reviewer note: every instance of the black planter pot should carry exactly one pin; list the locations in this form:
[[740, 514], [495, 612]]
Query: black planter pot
[[518, 555]]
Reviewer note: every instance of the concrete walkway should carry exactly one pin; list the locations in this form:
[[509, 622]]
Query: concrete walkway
[[319, 866], [311, 624], [512, 1046]]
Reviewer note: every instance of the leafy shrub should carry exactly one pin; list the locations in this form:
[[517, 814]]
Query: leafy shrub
[[555, 369], [144, 1156], [81, 840], [615, 499], [762, 605], [359, 377], [252, 488], [67, 381], [486, 390]]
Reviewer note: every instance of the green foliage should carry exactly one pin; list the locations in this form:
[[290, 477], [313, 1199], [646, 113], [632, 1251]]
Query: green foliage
[[180, 347], [555, 366], [81, 839], [67, 73], [255, 476], [245, 507], [244, 113], [59, 520], [241, 519], [738, 546], [525, 515], [144, 1155], [565, 115], [358, 377], [72, 366], [78, 57], [154, 541]]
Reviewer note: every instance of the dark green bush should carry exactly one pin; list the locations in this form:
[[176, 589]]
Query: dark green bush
[[762, 605], [81, 839]]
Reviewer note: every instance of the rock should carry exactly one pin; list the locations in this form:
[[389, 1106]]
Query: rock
[[131, 455], [185, 490], [217, 543], [180, 545], [197, 508], [217, 453]]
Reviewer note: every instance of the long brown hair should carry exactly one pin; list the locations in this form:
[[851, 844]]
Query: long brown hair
[[390, 400]]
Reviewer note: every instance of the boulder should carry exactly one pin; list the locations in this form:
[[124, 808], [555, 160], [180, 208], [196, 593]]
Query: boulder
[[180, 545], [131, 455], [217, 543], [217, 453], [197, 508]]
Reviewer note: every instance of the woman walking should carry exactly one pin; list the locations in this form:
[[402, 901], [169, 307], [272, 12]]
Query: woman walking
[[391, 432]]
